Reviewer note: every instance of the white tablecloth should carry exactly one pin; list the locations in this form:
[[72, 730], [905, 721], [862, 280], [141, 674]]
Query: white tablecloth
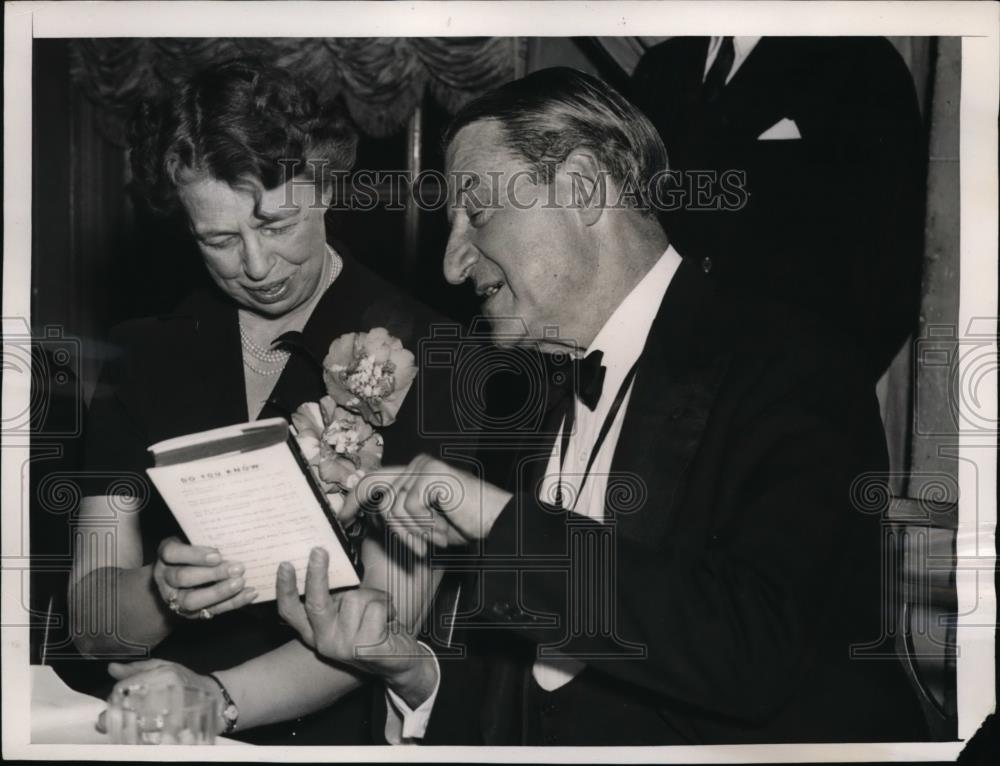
[[62, 716]]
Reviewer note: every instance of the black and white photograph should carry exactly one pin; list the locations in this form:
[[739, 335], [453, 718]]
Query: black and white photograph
[[562, 382]]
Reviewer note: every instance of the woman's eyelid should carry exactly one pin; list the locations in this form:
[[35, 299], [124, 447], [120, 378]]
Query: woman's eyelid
[[218, 241]]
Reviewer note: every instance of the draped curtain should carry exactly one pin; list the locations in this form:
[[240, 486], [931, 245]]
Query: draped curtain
[[381, 80]]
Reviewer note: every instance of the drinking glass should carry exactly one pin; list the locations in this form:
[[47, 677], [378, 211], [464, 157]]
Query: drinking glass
[[162, 715]]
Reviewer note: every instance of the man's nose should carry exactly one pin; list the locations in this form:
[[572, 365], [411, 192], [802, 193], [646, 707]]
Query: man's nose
[[257, 261], [459, 257]]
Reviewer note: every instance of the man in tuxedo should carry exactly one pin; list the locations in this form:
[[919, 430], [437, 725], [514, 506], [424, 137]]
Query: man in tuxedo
[[828, 138], [676, 558]]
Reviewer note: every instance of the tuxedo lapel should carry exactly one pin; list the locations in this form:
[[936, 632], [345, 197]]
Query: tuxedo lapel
[[684, 95], [692, 74], [679, 374]]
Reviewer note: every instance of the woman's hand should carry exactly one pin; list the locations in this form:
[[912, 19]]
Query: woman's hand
[[194, 581], [158, 673]]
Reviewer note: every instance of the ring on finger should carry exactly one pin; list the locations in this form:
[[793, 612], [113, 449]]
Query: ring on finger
[[205, 614], [173, 603]]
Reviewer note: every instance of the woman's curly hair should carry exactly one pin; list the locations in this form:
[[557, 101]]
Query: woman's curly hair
[[242, 122]]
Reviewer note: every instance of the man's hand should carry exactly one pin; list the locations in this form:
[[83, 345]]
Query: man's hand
[[355, 627], [431, 500]]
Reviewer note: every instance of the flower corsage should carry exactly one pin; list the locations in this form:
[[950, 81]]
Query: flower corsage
[[367, 376]]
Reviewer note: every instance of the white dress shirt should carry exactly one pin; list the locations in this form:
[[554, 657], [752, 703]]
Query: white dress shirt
[[621, 340], [741, 49], [405, 726]]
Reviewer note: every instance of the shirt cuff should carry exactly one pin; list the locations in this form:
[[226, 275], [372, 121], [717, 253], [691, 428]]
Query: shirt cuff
[[402, 725]]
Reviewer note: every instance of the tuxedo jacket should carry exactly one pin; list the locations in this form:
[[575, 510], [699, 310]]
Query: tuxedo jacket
[[732, 577], [831, 221], [181, 373]]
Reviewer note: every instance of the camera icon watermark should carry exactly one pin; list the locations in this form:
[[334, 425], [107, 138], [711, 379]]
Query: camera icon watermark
[[500, 383], [43, 365]]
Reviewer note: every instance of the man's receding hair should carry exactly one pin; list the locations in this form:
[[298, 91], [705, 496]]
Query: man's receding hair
[[551, 112], [244, 122]]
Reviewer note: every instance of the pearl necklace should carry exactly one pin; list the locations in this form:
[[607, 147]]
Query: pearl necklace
[[265, 373], [278, 356], [271, 356]]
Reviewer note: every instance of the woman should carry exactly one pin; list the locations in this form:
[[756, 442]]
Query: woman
[[245, 153]]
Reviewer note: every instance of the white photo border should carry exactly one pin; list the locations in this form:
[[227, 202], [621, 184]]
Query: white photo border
[[976, 23]]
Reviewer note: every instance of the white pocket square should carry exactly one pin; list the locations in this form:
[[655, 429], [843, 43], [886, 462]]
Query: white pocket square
[[782, 130]]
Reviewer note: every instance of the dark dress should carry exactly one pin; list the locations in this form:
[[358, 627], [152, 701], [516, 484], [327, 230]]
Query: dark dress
[[182, 373]]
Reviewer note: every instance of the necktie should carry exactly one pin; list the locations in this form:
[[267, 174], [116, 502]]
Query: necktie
[[715, 80]]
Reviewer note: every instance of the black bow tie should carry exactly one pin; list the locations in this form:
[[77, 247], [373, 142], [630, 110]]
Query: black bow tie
[[589, 378]]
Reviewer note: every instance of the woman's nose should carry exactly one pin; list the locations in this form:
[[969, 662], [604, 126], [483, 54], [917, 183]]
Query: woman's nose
[[257, 261], [459, 257]]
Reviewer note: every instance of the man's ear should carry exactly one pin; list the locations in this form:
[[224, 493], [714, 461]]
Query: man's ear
[[586, 185], [326, 191]]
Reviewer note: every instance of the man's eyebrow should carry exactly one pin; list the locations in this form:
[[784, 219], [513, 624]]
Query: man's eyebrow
[[281, 214]]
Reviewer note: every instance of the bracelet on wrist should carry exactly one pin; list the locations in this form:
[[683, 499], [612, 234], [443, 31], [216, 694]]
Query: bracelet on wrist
[[230, 713]]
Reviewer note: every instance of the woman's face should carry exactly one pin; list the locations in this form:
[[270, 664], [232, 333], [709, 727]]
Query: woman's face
[[270, 262]]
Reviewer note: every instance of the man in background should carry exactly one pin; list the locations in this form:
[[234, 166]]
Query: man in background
[[829, 136]]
